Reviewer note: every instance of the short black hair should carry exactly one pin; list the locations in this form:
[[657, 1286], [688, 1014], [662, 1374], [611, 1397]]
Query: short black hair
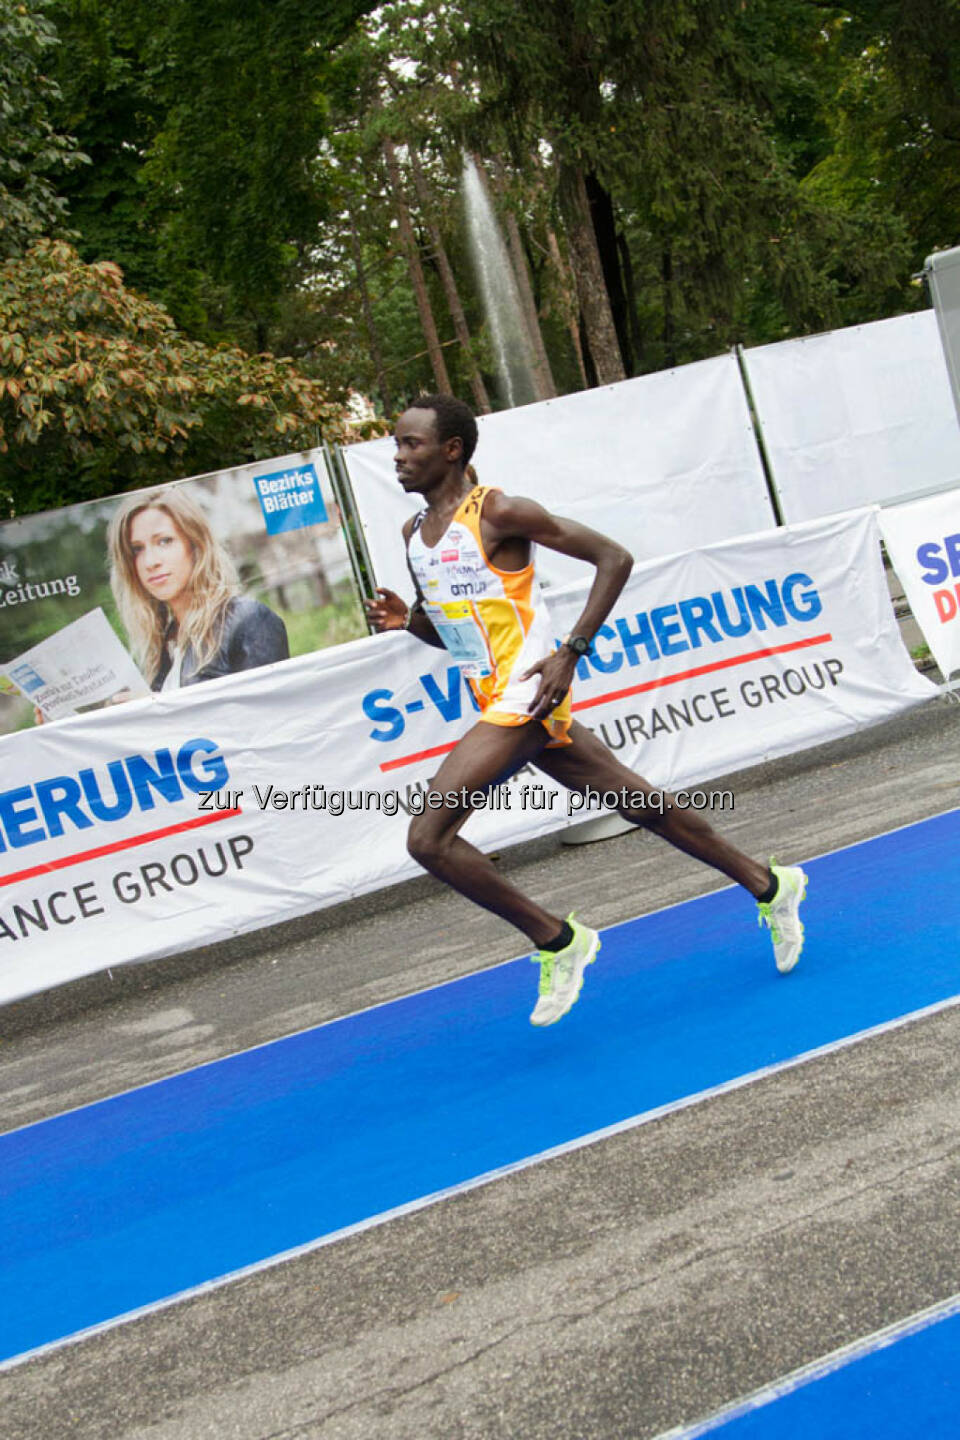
[[454, 420]]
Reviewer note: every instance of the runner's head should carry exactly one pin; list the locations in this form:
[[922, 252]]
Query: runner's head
[[435, 435]]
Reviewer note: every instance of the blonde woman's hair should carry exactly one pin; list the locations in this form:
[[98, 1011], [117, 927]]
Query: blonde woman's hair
[[213, 582]]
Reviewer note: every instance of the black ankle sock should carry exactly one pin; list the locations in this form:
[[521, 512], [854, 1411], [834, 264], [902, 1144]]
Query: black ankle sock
[[561, 941], [770, 891]]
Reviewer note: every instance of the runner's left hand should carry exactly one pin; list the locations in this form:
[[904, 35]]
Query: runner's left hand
[[556, 674]]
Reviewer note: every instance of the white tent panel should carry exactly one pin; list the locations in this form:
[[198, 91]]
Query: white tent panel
[[663, 462], [854, 417]]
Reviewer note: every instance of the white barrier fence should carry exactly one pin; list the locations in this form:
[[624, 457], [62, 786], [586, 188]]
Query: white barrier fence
[[712, 660], [664, 462], [861, 416], [853, 417]]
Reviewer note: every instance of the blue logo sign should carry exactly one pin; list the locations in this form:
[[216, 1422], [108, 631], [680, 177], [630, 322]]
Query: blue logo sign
[[26, 677], [290, 499]]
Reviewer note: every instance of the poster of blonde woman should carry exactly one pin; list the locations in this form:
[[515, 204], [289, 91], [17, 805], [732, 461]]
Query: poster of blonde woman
[[178, 595], [165, 588]]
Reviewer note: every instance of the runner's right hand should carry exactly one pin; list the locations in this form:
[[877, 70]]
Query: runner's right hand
[[387, 611]]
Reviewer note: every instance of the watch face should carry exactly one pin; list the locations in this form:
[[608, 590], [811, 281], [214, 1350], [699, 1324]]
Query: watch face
[[578, 644]]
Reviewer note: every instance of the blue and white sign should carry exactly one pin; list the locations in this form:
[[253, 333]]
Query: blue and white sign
[[923, 542], [290, 499], [195, 807]]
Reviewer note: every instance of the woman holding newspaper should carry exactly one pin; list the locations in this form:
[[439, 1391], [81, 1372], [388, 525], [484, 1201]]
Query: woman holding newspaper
[[177, 591], [178, 595]]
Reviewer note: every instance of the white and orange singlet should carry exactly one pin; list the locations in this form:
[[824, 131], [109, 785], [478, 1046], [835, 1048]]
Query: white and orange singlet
[[493, 622]]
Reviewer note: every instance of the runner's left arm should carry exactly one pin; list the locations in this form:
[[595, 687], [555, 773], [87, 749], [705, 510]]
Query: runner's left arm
[[511, 517]]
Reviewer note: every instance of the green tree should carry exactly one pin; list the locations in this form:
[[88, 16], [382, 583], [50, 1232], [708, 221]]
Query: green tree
[[895, 120], [109, 101], [100, 393], [33, 153], [205, 123]]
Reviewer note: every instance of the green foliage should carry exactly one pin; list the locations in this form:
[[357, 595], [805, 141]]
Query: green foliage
[[244, 114], [203, 123], [317, 628], [895, 118], [33, 154], [99, 392], [757, 171], [109, 102]]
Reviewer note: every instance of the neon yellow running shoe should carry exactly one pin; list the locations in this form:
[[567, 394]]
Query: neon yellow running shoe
[[781, 915], [561, 974]]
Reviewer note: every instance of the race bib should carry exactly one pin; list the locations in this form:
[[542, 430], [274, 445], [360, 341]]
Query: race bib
[[462, 636]]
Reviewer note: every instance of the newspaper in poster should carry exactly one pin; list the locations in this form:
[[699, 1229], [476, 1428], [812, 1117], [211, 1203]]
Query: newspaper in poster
[[81, 667]]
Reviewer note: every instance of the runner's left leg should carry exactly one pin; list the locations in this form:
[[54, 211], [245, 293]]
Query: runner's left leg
[[486, 756], [587, 763]]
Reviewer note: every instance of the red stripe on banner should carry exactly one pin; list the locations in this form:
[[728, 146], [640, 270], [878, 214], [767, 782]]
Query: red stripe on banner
[[129, 844], [701, 670], [634, 690], [420, 755]]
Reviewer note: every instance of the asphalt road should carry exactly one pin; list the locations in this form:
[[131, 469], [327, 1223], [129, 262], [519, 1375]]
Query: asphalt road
[[613, 1292]]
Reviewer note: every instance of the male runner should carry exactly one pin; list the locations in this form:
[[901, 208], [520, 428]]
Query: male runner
[[474, 542]]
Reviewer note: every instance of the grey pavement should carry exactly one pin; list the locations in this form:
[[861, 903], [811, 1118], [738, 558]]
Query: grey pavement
[[612, 1292]]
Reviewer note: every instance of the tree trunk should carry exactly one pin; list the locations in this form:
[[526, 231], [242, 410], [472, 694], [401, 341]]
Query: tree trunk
[[373, 338], [588, 271], [605, 229], [636, 333], [666, 274], [418, 280], [480, 395], [571, 309]]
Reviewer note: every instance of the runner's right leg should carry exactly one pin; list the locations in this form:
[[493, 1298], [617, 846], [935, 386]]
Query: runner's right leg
[[779, 890], [486, 756]]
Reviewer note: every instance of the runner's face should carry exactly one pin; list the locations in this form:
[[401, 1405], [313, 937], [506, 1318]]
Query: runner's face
[[162, 555], [422, 461]]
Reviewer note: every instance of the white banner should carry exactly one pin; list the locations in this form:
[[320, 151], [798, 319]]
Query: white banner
[[201, 813], [857, 416], [662, 462], [923, 542]]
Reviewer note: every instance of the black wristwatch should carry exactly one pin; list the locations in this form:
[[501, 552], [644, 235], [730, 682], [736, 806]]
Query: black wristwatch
[[579, 644]]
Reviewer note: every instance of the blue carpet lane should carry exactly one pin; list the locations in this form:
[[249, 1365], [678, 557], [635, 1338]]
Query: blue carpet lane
[[909, 1390], [138, 1197]]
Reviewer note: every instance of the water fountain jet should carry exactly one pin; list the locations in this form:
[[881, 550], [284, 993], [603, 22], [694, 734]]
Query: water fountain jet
[[498, 289]]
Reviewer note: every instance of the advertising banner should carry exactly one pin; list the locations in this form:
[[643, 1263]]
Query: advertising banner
[[159, 589], [196, 814], [923, 542], [663, 462]]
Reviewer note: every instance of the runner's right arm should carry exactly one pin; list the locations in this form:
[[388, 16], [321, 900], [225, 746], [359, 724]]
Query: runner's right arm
[[421, 627], [389, 612]]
